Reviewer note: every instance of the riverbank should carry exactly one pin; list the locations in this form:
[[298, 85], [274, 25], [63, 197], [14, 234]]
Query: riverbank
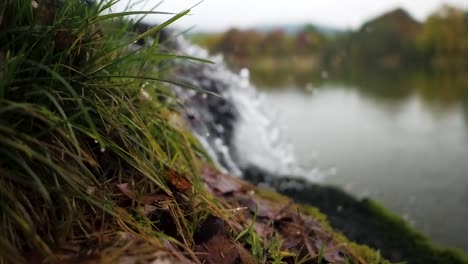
[[362, 220]]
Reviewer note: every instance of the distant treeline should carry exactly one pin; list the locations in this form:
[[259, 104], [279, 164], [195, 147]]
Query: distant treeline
[[391, 41]]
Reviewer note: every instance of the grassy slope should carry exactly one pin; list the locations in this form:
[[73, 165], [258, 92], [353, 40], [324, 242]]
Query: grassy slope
[[74, 123]]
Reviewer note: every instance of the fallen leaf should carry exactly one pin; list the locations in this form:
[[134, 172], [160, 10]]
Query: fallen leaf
[[148, 209], [181, 259], [262, 229], [125, 189], [151, 198], [244, 255], [220, 182], [178, 181], [256, 206], [146, 199], [331, 251], [218, 250], [128, 260]]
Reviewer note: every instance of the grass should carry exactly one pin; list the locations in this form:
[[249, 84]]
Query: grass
[[75, 123]]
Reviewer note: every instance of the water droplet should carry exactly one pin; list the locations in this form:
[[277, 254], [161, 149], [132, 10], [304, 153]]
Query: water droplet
[[244, 73], [207, 134], [220, 128], [144, 95], [95, 141], [204, 96], [103, 149]]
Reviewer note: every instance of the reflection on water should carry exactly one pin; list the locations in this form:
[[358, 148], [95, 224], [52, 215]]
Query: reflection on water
[[402, 140], [440, 91]]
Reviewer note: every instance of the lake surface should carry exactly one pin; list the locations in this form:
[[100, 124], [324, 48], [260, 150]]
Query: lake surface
[[406, 147]]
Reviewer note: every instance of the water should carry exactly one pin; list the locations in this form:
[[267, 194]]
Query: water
[[409, 152]]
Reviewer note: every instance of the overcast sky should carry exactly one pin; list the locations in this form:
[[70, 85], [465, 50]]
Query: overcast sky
[[216, 15]]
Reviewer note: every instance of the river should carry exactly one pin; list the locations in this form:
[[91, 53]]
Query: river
[[403, 142]]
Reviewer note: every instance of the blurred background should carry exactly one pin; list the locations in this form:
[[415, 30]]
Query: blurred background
[[374, 92]]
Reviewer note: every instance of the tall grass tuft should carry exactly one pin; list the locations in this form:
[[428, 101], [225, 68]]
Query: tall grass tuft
[[76, 120]]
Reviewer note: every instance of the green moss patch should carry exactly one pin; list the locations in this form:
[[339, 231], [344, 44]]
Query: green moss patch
[[367, 222]]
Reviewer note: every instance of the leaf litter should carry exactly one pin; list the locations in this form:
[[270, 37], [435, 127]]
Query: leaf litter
[[246, 235], [300, 234]]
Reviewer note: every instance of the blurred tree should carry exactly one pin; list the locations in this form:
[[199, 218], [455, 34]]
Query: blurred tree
[[309, 40], [276, 43], [393, 40], [444, 38], [239, 46], [385, 41]]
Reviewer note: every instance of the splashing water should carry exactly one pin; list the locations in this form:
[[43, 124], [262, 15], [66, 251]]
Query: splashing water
[[235, 126]]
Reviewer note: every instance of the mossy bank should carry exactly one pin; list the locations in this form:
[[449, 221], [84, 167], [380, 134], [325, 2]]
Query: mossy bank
[[362, 220]]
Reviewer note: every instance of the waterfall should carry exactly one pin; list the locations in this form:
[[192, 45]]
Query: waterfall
[[235, 126]]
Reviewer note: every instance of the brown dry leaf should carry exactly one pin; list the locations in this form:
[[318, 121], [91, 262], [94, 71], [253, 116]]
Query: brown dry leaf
[[146, 199], [220, 182], [125, 189], [334, 256], [148, 209], [302, 234], [128, 260], [257, 206], [218, 250], [181, 259], [293, 234], [244, 255], [262, 229], [178, 181], [331, 251], [151, 198], [292, 238]]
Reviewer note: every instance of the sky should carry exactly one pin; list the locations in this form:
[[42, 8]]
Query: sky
[[219, 15]]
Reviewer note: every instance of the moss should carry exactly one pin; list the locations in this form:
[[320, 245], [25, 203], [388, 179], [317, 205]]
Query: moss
[[364, 252], [417, 247], [315, 212], [270, 195], [367, 222]]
